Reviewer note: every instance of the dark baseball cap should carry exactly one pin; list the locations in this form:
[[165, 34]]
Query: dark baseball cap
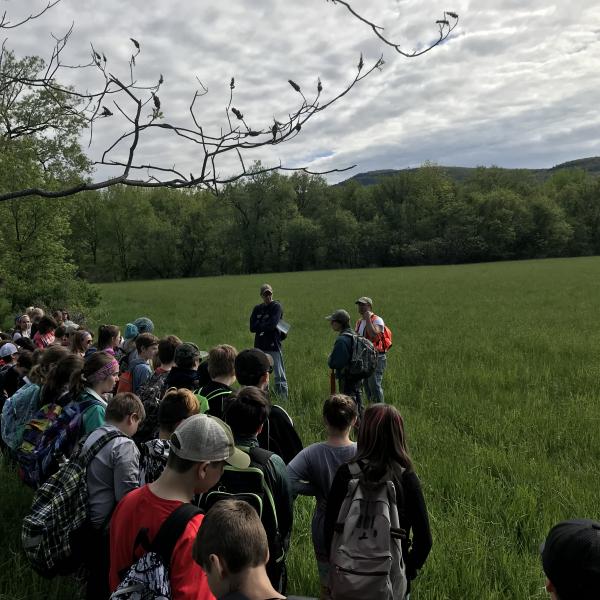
[[571, 559], [251, 365]]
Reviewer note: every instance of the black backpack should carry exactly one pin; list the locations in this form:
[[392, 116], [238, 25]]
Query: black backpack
[[253, 485], [150, 394], [279, 435]]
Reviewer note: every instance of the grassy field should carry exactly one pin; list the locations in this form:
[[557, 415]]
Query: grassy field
[[495, 368]]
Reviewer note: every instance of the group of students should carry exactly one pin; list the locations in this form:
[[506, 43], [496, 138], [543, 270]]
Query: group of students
[[180, 433]]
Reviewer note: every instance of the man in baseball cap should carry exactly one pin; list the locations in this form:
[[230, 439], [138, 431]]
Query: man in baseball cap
[[265, 324], [199, 449], [571, 560]]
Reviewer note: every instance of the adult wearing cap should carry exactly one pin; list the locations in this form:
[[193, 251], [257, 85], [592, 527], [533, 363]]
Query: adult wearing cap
[[571, 560], [199, 449], [372, 327], [263, 323], [341, 355]]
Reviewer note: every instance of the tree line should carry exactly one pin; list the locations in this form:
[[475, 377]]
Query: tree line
[[271, 222]]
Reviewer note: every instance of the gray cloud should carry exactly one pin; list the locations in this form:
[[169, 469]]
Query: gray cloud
[[515, 86]]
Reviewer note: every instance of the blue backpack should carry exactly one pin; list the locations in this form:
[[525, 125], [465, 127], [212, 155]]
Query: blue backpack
[[17, 411]]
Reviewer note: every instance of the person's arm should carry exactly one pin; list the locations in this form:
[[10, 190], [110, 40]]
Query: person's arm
[[126, 470], [299, 475], [282, 493], [335, 499], [418, 521], [373, 327], [254, 320], [341, 353]]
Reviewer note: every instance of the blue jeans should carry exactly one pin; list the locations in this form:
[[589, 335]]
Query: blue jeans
[[280, 385], [373, 385]]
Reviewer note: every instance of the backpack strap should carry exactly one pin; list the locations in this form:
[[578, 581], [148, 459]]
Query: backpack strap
[[87, 456], [260, 456], [172, 529]]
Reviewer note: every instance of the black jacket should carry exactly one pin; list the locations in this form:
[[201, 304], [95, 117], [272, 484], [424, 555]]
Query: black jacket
[[263, 323]]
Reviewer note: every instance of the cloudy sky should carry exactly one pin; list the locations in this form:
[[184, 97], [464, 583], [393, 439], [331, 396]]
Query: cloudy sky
[[516, 85]]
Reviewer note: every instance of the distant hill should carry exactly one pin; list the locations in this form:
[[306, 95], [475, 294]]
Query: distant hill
[[459, 174]]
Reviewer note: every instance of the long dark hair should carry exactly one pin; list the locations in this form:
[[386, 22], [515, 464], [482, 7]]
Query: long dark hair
[[381, 444], [106, 333], [58, 379]]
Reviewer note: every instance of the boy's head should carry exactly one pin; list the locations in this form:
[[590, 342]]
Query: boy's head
[[176, 406], [247, 411], [9, 353], [221, 361], [24, 362], [230, 541], [571, 560], [199, 449], [252, 367], [340, 412], [146, 345], [125, 411], [187, 356], [166, 349]]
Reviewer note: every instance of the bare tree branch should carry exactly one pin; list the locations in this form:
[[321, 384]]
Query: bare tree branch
[[141, 108], [6, 24], [445, 25]]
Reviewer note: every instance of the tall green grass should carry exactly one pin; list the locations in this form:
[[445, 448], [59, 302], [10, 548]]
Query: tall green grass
[[495, 368]]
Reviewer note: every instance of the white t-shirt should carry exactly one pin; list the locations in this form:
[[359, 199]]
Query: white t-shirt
[[376, 321]]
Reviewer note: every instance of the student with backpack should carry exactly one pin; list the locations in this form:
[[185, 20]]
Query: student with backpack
[[341, 356], [25, 402], [221, 368], [356, 539], [139, 371], [233, 549], [153, 390], [127, 351], [312, 471], [16, 376], [185, 372], [266, 478], [375, 330], [98, 376], [253, 367], [176, 406], [156, 525], [110, 474]]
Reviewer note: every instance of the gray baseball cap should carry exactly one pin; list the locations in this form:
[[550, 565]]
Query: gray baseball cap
[[365, 300], [340, 315], [203, 438]]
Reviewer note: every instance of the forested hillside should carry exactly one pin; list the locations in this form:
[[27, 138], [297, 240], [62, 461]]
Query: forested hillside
[[271, 222]]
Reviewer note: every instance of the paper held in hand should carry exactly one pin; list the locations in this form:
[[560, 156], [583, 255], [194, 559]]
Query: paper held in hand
[[283, 326]]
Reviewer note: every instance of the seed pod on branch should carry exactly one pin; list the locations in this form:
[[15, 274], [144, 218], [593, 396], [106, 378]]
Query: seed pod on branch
[[237, 113], [294, 85]]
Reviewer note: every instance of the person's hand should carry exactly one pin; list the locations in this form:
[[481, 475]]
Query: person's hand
[[367, 315]]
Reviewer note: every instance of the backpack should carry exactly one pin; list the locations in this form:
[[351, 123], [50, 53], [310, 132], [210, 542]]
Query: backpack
[[253, 485], [26, 454], [53, 533], [383, 340], [125, 382], [150, 394], [148, 577], [366, 552], [17, 411], [279, 435], [54, 445], [364, 357], [205, 400]]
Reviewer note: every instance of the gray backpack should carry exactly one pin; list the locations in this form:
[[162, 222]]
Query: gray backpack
[[363, 361], [366, 553]]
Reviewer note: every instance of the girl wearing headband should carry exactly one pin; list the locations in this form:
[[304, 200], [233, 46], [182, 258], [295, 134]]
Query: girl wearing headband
[[99, 375]]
